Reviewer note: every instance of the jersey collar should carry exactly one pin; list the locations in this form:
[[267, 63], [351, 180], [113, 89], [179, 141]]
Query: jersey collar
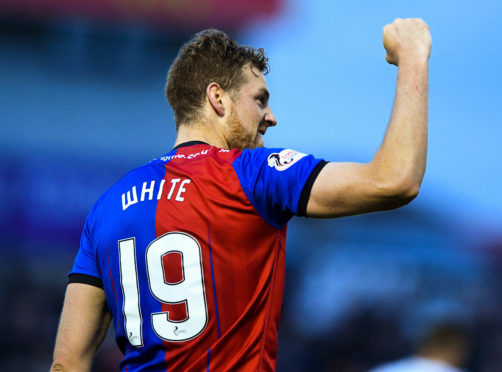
[[189, 143]]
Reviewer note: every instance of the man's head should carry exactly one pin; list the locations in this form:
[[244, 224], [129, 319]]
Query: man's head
[[213, 72]]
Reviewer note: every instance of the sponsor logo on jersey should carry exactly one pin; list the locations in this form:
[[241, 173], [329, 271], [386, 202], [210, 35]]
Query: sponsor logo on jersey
[[284, 159]]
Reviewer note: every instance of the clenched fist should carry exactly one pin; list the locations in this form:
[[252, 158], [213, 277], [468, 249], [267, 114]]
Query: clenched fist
[[407, 40]]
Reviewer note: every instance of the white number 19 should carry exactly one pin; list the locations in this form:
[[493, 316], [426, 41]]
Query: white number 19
[[190, 289]]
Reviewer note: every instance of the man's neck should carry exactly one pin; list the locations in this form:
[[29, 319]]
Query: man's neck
[[197, 132]]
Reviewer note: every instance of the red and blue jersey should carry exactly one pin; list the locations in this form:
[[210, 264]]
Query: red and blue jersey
[[190, 251]]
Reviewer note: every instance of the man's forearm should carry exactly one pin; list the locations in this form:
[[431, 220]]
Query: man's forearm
[[403, 153], [402, 156]]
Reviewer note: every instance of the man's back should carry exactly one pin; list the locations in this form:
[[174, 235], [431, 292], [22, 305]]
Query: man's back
[[187, 261]]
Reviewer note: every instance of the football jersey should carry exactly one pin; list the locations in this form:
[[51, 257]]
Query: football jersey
[[190, 251]]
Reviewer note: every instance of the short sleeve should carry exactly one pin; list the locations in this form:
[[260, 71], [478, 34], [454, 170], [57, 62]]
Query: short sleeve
[[86, 262], [277, 181]]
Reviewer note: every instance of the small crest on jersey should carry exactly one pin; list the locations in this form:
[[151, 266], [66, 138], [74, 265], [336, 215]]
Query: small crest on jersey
[[284, 159]]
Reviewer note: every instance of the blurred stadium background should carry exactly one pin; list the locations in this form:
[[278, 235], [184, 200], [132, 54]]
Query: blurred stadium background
[[81, 102]]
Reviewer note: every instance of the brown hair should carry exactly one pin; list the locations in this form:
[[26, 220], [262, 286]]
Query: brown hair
[[210, 56]]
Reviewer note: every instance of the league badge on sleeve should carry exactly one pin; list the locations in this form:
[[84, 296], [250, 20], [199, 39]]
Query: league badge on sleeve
[[284, 159]]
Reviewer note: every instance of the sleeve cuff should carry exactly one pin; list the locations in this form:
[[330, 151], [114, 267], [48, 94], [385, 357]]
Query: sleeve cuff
[[307, 188], [85, 279]]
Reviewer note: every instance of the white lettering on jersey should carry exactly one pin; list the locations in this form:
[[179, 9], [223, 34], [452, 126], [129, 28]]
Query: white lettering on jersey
[[182, 190], [130, 201], [161, 188], [183, 156], [174, 182], [284, 159], [193, 156], [149, 188]]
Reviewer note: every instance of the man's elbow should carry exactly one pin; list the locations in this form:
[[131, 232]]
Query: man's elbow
[[401, 192], [58, 367], [69, 364], [409, 193]]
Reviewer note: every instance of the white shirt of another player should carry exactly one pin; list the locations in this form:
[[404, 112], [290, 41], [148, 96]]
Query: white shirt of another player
[[416, 364]]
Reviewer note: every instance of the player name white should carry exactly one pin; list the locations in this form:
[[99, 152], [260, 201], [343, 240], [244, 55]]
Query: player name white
[[151, 189]]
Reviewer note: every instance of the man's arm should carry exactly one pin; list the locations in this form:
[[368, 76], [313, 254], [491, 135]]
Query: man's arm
[[82, 328], [395, 174]]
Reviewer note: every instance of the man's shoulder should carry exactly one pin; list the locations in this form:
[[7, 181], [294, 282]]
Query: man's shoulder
[[128, 188], [278, 158]]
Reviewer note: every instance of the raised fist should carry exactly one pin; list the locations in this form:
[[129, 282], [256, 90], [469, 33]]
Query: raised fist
[[407, 39]]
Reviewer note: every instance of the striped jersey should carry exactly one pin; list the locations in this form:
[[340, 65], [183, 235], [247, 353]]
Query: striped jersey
[[190, 251]]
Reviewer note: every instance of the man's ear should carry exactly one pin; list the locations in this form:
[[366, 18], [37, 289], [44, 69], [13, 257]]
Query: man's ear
[[215, 95]]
